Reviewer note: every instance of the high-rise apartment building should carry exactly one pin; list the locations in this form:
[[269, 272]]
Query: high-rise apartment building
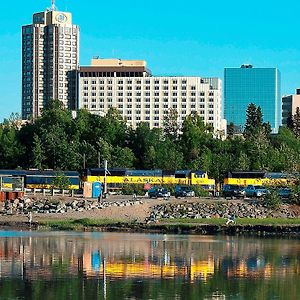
[[246, 85], [50, 59], [289, 106], [130, 87]]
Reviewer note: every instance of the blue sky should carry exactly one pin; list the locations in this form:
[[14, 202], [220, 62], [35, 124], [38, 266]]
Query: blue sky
[[175, 37]]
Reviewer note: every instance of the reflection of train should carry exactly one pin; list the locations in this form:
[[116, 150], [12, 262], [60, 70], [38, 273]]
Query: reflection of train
[[38, 179], [117, 177], [245, 178]]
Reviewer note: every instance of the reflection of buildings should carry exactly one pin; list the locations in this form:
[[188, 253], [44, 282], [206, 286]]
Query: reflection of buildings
[[120, 256]]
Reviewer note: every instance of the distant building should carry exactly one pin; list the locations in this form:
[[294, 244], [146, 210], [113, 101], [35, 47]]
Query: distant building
[[129, 86], [50, 58], [289, 105], [246, 85]]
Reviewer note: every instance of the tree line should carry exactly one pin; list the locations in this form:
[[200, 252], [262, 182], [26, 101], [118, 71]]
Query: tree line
[[58, 141]]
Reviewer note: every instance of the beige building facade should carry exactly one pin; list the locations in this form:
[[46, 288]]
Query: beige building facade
[[50, 60], [140, 97], [289, 106]]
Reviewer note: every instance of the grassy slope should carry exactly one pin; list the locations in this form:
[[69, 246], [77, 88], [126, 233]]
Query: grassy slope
[[88, 223]]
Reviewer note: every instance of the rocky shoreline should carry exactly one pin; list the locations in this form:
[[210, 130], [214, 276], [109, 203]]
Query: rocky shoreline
[[198, 210], [160, 216], [56, 206]]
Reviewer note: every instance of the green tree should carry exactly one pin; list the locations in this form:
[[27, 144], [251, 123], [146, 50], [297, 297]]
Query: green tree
[[195, 135], [37, 153], [254, 120], [230, 130], [296, 123], [60, 181], [122, 158]]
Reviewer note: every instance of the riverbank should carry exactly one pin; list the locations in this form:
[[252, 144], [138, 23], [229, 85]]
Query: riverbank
[[255, 227], [190, 216]]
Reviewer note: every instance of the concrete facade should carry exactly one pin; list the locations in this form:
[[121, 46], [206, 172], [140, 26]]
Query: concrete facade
[[289, 106], [140, 97], [50, 59]]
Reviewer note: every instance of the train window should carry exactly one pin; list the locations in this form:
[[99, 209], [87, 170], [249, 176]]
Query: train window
[[182, 174], [200, 174]]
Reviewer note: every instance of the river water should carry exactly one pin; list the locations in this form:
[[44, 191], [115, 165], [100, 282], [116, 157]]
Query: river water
[[68, 265]]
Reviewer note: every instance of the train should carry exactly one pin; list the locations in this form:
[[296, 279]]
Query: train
[[244, 178], [46, 179], [118, 177]]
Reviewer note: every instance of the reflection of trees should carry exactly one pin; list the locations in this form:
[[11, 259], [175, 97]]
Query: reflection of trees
[[147, 266]]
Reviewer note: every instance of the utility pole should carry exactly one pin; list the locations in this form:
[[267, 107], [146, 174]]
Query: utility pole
[[99, 161], [84, 161], [105, 177]]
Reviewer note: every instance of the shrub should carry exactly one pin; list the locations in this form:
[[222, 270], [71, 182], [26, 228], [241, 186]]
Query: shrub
[[60, 181], [170, 188], [295, 197], [272, 200], [130, 189], [200, 191]]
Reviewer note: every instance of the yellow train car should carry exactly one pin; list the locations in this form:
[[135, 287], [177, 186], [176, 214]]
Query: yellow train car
[[201, 178], [245, 178], [118, 177]]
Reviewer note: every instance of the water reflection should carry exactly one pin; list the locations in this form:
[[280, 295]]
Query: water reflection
[[173, 266]]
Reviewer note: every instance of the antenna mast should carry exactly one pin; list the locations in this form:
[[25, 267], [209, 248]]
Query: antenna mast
[[53, 5]]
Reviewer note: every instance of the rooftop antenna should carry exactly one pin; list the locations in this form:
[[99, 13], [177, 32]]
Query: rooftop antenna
[[53, 5]]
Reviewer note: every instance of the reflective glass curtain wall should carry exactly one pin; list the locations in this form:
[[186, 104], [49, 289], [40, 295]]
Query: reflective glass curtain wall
[[260, 86]]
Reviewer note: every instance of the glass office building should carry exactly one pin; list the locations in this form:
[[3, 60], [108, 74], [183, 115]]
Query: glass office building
[[246, 85]]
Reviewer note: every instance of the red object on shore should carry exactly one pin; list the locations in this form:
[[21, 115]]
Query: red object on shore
[[2, 196], [11, 195]]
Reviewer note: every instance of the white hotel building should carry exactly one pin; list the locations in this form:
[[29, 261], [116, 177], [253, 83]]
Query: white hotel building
[[50, 60], [141, 97]]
